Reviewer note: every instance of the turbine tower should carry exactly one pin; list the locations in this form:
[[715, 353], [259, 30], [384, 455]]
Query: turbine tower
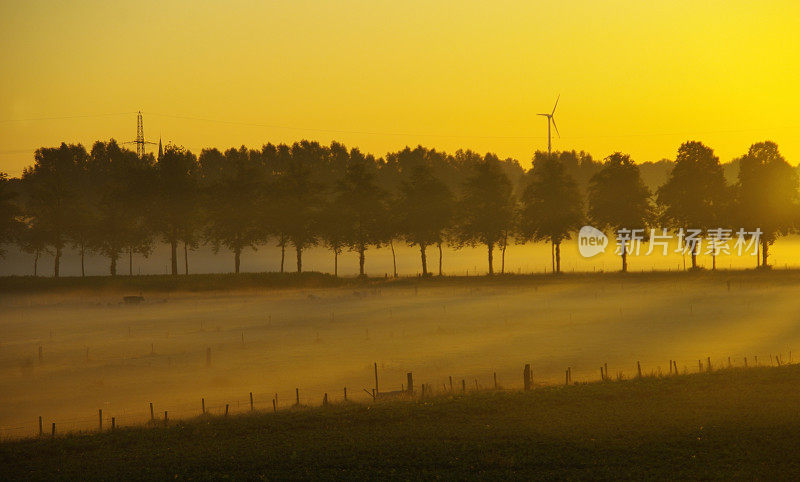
[[551, 119]]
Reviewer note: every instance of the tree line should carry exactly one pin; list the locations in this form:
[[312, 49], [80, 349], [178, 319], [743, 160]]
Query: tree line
[[111, 202]]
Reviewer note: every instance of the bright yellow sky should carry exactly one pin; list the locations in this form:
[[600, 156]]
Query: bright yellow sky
[[639, 76]]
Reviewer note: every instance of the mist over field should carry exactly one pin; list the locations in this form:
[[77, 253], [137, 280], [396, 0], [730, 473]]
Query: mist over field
[[520, 258], [98, 353]]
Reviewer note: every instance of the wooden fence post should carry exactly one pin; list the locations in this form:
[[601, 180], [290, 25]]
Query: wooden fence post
[[639, 369], [100, 418], [152, 414], [40, 426], [297, 395], [325, 400], [709, 365], [226, 409], [376, 378], [166, 419], [251, 401], [526, 377], [699, 366], [53, 431], [495, 380], [463, 386], [203, 405], [113, 423], [410, 379], [274, 405]]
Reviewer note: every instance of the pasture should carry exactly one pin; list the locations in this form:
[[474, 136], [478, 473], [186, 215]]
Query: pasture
[[322, 336]]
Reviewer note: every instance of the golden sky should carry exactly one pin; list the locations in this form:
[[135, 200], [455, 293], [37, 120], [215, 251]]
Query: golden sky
[[638, 76]]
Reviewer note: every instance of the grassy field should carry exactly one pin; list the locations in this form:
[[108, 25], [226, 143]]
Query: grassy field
[[729, 424], [271, 337]]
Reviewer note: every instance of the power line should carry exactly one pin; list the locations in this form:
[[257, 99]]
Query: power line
[[77, 116], [397, 134], [337, 131]]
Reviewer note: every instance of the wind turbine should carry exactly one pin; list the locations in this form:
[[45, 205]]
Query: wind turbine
[[551, 119]]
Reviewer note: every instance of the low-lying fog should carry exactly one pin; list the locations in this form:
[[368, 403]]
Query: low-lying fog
[[527, 258], [99, 353]]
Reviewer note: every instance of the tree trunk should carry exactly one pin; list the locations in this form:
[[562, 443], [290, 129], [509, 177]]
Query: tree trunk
[[552, 257], [335, 263], [694, 259], [113, 267], [173, 245], [490, 246], [83, 258], [764, 252], [424, 259], [57, 262], [36, 264], [439, 244], [758, 255], [624, 259], [130, 261], [394, 259], [558, 257], [237, 254], [503, 256], [299, 252], [283, 253], [361, 261], [185, 258]]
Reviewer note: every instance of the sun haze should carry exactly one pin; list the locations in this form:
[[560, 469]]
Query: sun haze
[[639, 77]]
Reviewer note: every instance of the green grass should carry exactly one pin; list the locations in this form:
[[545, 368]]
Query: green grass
[[730, 424]]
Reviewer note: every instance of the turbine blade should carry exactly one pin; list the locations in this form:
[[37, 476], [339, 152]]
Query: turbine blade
[[554, 107], [554, 125]]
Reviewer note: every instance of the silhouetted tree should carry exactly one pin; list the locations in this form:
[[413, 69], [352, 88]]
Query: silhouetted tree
[[766, 194], [695, 195], [10, 213], [176, 181], [298, 197], [618, 199], [33, 239], [486, 208], [425, 210], [363, 204], [233, 183], [51, 194], [120, 193], [552, 206]]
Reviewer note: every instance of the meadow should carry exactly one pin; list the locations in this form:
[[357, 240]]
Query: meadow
[[194, 339], [728, 424]]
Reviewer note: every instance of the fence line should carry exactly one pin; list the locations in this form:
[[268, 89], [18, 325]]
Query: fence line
[[265, 402]]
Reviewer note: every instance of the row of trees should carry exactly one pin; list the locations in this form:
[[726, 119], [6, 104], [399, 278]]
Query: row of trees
[[111, 202]]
